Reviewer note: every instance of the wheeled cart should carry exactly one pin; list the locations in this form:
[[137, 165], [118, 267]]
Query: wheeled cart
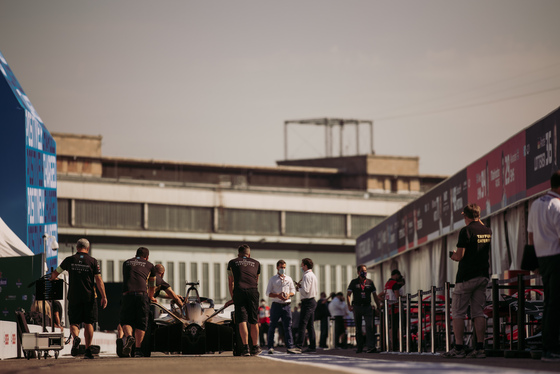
[[42, 343]]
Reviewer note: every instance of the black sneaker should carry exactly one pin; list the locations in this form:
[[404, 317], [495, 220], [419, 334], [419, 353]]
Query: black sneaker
[[255, 350], [75, 346], [359, 350], [138, 353], [128, 345], [245, 351], [372, 350], [88, 354], [310, 350]]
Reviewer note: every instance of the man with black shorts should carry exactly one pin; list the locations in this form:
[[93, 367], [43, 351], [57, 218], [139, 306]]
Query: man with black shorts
[[162, 285], [243, 279], [473, 253], [83, 271], [139, 276]]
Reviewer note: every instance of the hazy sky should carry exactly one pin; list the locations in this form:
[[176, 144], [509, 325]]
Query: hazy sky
[[214, 81]]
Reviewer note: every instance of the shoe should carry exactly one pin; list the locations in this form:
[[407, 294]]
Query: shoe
[[477, 353], [310, 350], [75, 346], [359, 350], [138, 353], [128, 345], [294, 351], [88, 355], [372, 350], [246, 351], [271, 351], [550, 357], [455, 353], [256, 350], [119, 344]]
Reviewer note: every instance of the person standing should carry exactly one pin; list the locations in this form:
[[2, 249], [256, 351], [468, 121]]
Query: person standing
[[544, 233], [280, 289], [392, 293], [243, 280], [362, 291], [139, 276], [473, 254], [162, 285], [84, 273], [308, 289], [264, 322], [338, 310], [322, 315]]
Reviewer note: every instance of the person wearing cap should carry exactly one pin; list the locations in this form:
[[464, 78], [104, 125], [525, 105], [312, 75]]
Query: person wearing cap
[[472, 253], [362, 291], [84, 274], [392, 293]]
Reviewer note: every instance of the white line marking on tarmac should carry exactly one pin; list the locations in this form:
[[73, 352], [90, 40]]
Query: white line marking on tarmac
[[369, 366]]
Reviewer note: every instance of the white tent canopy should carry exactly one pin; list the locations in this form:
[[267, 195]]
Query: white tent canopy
[[10, 244]]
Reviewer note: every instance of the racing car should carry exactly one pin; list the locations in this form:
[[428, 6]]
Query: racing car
[[196, 328]]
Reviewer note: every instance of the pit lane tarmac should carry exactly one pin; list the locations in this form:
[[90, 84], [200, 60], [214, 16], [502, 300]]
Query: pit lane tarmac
[[281, 363]]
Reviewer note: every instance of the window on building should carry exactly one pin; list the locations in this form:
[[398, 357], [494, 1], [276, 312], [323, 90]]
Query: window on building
[[109, 275], [344, 278], [315, 224], [217, 283], [261, 222], [108, 214], [322, 279], [205, 279], [293, 274], [120, 278], [333, 279], [182, 278], [170, 274], [179, 218], [194, 272]]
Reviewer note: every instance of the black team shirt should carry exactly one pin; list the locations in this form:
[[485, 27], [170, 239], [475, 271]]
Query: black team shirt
[[82, 269], [136, 272], [161, 285], [361, 291], [475, 238], [245, 272]]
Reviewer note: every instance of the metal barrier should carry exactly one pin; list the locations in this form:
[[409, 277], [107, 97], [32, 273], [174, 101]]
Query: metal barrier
[[521, 321], [436, 316]]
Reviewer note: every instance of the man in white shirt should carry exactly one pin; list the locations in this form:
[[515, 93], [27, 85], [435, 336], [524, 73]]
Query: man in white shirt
[[338, 310], [280, 289], [308, 290], [544, 233]]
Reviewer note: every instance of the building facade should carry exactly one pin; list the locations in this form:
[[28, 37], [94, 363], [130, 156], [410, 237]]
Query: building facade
[[193, 217]]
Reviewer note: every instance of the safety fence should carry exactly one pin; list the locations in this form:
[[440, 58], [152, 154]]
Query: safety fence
[[421, 323]]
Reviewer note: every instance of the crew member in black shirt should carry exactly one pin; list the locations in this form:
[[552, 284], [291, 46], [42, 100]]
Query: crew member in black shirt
[[473, 254], [243, 278], [362, 289], [162, 285], [136, 301], [83, 271]]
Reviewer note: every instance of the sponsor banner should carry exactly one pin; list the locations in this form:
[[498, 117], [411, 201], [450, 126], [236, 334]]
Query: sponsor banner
[[497, 179], [541, 152], [515, 170]]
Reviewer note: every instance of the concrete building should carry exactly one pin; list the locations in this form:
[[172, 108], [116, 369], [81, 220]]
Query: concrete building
[[193, 216]]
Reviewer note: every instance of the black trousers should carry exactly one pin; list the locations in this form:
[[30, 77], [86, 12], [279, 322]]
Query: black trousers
[[306, 319]]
